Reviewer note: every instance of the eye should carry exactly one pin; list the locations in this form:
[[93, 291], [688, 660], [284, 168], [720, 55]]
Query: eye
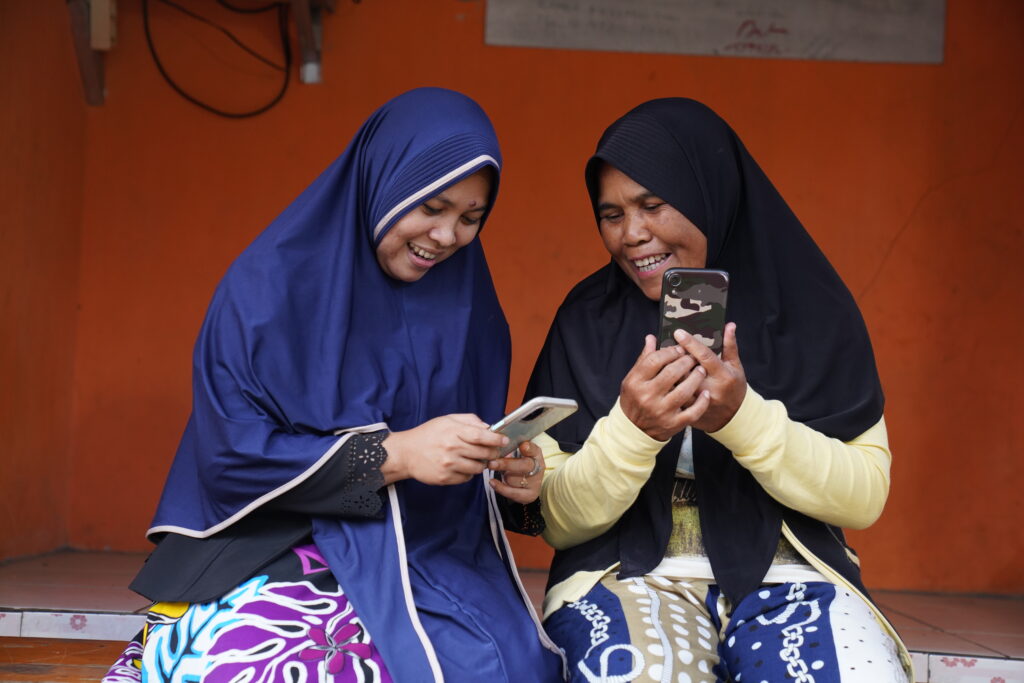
[[653, 206], [470, 220], [611, 216], [431, 210]]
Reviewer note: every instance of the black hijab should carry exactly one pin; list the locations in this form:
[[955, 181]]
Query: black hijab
[[801, 338]]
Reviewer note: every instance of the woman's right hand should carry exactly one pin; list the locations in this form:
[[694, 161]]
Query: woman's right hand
[[660, 392], [450, 449]]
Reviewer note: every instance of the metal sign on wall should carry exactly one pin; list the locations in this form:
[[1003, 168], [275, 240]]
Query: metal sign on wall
[[906, 31]]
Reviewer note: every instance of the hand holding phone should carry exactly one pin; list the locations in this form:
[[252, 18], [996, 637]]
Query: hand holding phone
[[531, 419]]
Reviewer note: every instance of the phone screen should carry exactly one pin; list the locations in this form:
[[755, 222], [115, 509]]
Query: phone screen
[[694, 300]]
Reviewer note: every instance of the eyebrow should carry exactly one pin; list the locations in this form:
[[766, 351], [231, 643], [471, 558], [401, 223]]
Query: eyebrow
[[447, 202], [643, 196]]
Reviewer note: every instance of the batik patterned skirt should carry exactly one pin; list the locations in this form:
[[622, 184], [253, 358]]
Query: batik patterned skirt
[[290, 624], [655, 628]]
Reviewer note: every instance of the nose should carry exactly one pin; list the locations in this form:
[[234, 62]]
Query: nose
[[443, 234], [636, 230]]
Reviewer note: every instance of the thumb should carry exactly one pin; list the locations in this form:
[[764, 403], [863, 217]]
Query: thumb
[[650, 346], [730, 348]]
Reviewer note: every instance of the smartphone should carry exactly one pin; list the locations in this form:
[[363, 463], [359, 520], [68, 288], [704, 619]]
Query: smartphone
[[530, 419], [693, 300]]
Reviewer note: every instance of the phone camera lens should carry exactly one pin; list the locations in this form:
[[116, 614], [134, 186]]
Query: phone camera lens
[[534, 415], [675, 280]]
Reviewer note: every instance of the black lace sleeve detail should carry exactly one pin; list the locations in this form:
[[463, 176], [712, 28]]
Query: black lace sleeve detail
[[361, 489], [522, 519], [348, 485]]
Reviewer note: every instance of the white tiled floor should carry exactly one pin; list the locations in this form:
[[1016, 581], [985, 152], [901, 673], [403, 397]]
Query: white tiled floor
[[953, 638], [961, 639]]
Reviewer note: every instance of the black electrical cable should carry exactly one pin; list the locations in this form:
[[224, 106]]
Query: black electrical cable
[[234, 39], [282, 18], [248, 10], [229, 34]]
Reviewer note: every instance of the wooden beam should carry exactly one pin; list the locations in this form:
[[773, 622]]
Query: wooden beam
[[102, 24], [90, 62]]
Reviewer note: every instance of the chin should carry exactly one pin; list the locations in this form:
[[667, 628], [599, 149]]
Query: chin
[[650, 291], [650, 288]]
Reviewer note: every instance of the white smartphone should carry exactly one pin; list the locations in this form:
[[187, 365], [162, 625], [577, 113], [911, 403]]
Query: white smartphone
[[532, 418]]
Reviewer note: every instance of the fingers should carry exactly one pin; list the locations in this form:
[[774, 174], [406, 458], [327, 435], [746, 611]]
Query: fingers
[[696, 348], [684, 392], [446, 470], [475, 436], [472, 431], [673, 373], [697, 409], [517, 494], [683, 404], [656, 388], [529, 465], [651, 355], [532, 459], [521, 477], [650, 344], [651, 364], [462, 473], [531, 450], [461, 465], [468, 419]]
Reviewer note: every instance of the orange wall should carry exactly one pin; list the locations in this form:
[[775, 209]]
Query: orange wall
[[42, 148], [903, 174]]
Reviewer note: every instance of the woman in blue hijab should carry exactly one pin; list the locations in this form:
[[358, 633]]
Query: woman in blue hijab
[[323, 518]]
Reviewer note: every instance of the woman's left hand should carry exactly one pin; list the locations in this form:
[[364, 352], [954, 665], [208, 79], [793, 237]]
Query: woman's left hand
[[725, 380], [520, 477]]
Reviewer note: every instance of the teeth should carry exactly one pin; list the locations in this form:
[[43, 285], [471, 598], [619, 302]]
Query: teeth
[[421, 253], [649, 263]]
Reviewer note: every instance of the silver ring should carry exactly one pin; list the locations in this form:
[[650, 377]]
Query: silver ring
[[536, 466]]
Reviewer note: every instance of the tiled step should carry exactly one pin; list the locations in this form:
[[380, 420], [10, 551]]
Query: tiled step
[[79, 595], [71, 595], [70, 624]]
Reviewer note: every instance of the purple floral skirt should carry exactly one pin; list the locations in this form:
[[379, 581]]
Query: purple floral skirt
[[290, 624]]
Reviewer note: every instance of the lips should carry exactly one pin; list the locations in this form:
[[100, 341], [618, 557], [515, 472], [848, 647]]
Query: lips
[[422, 253], [649, 264], [421, 257]]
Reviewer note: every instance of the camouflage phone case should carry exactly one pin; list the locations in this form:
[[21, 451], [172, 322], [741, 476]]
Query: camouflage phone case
[[693, 300]]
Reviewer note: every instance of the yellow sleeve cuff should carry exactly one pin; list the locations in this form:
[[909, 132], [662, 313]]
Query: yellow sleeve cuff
[[622, 434]]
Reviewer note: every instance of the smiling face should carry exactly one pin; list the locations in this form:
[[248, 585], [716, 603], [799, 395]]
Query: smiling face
[[643, 233], [435, 229]]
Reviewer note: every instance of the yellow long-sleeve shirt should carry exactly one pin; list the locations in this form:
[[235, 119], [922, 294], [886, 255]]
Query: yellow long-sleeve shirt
[[584, 494]]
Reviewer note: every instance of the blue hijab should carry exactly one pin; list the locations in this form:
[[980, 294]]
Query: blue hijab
[[306, 336]]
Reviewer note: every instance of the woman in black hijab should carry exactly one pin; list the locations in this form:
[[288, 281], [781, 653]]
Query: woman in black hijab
[[695, 502]]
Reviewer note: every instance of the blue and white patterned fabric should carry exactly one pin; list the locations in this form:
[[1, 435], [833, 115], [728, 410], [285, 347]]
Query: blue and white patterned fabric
[[666, 630]]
